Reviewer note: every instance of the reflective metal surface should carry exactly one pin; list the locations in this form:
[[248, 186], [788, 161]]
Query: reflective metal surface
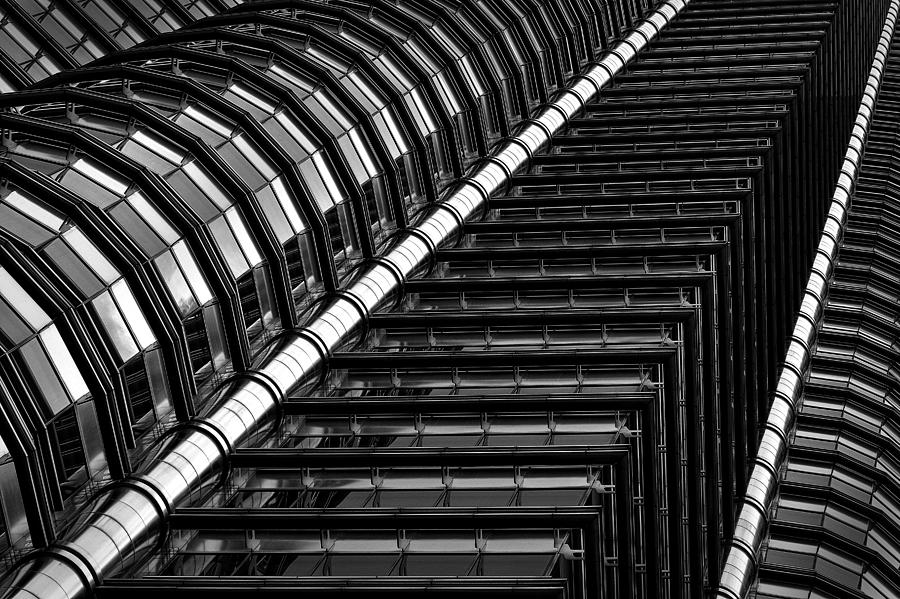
[[739, 571], [124, 521]]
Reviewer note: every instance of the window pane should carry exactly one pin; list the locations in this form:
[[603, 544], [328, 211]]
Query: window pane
[[34, 210], [73, 267], [206, 185], [287, 202], [192, 272], [94, 173], [21, 301], [178, 287], [133, 314], [44, 376], [115, 326], [65, 365], [152, 216], [243, 236], [91, 255], [233, 255]]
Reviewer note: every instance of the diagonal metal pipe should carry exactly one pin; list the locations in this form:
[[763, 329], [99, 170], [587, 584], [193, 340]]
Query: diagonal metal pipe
[[124, 523], [739, 571]]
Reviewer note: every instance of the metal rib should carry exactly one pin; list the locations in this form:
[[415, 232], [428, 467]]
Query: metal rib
[[125, 522], [739, 571]]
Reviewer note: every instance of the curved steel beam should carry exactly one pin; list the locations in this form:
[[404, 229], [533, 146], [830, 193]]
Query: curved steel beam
[[739, 571], [125, 522]]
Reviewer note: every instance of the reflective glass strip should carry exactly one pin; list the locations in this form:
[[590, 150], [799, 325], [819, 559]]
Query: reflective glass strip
[[330, 184], [11, 325], [423, 110], [269, 205], [399, 139], [22, 302], [316, 186], [243, 236], [176, 283], [253, 98], [6, 86], [64, 363], [255, 158], [295, 132], [206, 185], [363, 150], [158, 147], [91, 256], [86, 168], [153, 217], [133, 314], [293, 79], [209, 121], [231, 251], [333, 110], [192, 272], [361, 96], [115, 326], [53, 393], [287, 204], [34, 210], [448, 92]]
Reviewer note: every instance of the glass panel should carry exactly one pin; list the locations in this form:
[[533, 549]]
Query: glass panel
[[157, 146], [22, 302], [287, 203], [175, 281], [217, 343], [363, 150], [293, 78], [133, 314], [92, 172], [23, 227], [316, 186], [11, 325], [44, 376], [270, 207], [13, 504], [192, 272], [242, 165], [206, 185], [152, 216], [115, 326], [208, 120], [91, 255], [87, 189], [159, 386], [253, 98], [296, 132], [243, 236], [256, 159], [73, 267], [137, 229], [34, 210], [192, 194], [330, 184], [64, 363], [232, 253], [90, 433]]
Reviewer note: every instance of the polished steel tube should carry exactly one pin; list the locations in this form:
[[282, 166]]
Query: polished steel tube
[[124, 523], [739, 570]]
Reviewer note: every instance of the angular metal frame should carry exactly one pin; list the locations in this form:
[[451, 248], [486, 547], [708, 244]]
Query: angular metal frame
[[128, 519]]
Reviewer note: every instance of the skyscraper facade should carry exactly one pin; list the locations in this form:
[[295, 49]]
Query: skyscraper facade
[[440, 297]]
